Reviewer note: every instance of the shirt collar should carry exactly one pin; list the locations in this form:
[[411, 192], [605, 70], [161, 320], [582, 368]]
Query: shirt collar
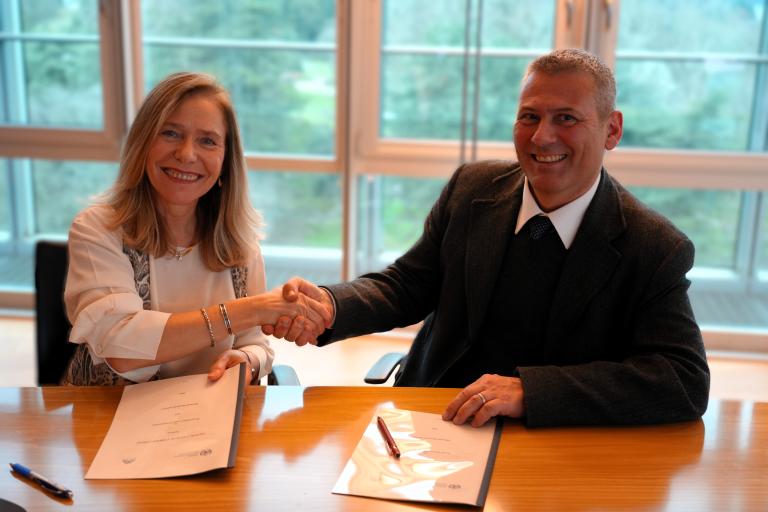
[[566, 219]]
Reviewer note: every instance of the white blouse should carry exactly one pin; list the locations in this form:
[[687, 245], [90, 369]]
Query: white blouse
[[106, 311]]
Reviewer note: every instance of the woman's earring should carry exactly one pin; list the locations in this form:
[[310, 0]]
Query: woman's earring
[[219, 182]]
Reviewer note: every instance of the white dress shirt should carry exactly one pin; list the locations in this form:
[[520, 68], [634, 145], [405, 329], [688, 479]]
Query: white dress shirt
[[106, 311], [566, 219]]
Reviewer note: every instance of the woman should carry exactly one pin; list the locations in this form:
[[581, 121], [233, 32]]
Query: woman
[[166, 277]]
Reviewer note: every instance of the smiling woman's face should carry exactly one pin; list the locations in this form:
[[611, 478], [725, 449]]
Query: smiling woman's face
[[185, 159]]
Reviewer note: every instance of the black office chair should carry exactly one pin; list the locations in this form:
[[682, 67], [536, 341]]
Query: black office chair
[[53, 348]]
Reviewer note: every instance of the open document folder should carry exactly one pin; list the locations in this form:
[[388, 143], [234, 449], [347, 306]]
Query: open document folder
[[440, 462], [173, 427]]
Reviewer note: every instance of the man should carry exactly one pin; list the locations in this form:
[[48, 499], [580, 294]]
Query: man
[[549, 292]]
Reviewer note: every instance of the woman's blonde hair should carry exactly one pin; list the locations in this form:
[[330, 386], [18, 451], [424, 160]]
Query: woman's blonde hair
[[227, 224]]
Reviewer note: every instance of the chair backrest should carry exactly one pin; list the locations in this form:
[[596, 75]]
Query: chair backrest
[[53, 348]]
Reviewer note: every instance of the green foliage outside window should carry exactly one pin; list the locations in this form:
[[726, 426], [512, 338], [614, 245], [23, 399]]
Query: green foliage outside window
[[709, 218], [299, 209], [285, 99], [61, 80], [63, 188]]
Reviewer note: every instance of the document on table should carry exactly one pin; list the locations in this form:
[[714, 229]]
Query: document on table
[[173, 427], [440, 462]]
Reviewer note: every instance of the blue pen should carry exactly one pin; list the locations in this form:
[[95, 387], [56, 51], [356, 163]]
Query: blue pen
[[45, 483]]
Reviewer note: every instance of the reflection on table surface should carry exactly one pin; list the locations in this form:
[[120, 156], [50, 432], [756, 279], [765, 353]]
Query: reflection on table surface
[[295, 441]]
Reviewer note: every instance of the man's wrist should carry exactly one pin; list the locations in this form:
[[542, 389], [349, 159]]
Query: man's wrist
[[332, 301]]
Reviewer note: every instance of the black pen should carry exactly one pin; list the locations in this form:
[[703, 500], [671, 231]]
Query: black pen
[[388, 439], [45, 483]]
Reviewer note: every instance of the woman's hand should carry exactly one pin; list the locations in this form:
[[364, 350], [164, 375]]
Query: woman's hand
[[308, 315], [232, 358], [292, 330]]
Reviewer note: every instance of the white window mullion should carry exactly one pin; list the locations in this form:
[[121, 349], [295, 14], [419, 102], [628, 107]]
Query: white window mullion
[[132, 57], [571, 21], [364, 91], [602, 29], [343, 147], [113, 73]]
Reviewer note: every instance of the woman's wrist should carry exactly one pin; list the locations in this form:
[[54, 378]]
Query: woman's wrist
[[254, 370], [244, 314]]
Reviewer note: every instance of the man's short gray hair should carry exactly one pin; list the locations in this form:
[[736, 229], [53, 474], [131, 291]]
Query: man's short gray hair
[[577, 60]]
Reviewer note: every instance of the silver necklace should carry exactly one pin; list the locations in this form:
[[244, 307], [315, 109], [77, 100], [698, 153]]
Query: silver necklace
[[180, 253]]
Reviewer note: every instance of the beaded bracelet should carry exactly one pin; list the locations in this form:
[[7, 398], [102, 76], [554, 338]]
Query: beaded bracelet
[[210, 327], [225, 316]]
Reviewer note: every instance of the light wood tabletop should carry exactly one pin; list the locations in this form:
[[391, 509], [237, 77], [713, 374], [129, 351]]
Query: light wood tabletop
[[295, 441]]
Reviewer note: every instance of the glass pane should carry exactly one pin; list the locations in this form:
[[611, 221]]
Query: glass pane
[[278, 60], [422, 65], [413, 22], [63, 82], [5, 202], [710, 218], [303, 218], [519, 24], [762, 268], [421, 97], [391, 213], [691, 25], [285, 20], [697, 107], [692, 74], [50, 72], [285, 100], [62, 189], [59, 17], [48, 196], [505, 24]]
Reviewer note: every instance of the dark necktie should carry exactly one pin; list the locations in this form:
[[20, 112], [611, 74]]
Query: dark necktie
[[539, 226]]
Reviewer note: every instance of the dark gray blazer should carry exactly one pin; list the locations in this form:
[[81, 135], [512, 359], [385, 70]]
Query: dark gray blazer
[[622, 345]]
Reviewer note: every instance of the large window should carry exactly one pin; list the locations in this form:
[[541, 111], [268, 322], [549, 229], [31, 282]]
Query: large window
[[354, 114]]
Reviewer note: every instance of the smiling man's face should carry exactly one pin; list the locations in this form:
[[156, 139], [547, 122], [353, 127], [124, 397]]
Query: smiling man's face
[[560, 138]]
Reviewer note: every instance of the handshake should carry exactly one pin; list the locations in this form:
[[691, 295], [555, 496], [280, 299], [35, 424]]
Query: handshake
[[298, 312]]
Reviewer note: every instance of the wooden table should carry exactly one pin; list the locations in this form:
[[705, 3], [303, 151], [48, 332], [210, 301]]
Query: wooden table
[[295, 441]]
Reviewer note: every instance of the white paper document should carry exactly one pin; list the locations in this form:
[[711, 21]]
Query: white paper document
[[173, 427], [440, 462]]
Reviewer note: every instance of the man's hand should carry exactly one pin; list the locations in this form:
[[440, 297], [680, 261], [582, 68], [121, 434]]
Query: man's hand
[[487, 397], [298, 289]]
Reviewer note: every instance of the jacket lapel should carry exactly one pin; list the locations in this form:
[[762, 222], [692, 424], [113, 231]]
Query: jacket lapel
[[491, 224], [591, 259]]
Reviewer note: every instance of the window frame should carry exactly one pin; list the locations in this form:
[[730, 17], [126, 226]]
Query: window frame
[[359, 148]]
